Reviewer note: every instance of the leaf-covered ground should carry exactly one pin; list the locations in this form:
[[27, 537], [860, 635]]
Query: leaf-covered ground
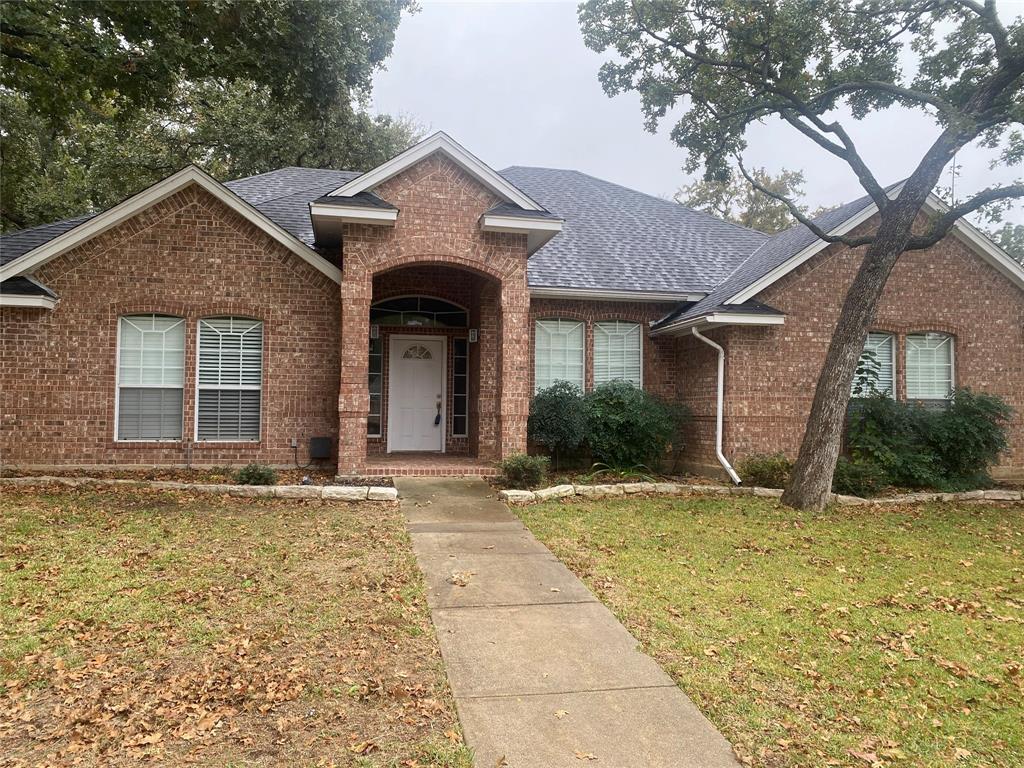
[[851, 638], [141, 627]]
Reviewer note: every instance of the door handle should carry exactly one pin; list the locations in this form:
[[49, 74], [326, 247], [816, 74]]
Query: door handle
[[437, 419]]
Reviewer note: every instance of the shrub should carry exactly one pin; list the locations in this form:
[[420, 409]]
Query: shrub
[[256, 474], [858, 478], [627, 427], [969, 435], [557, 419], [915, 446], [523, 471], [767, 470]]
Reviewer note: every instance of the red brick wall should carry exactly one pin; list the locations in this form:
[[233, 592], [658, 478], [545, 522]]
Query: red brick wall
[[771, 372], [188, 256], [439, 224]]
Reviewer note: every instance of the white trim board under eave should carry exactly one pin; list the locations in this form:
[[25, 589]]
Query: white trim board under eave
[[962, 229], [354, 214], [39, 302], [715, 319], [439, 142], [151, 196], [587, 294]]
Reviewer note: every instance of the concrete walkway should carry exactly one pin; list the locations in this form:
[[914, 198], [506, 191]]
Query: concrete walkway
[[543, 674]]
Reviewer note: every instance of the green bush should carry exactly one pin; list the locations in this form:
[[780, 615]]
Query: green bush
[[627, 427], [766, 470], [256, 474], [858, 478], [969, 435], [917, 446], [523, 471], [558, 419]]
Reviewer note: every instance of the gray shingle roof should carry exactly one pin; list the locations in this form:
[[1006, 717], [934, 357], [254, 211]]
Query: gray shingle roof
[[615, 238], [775, 251], [25, 286], [15, 244]]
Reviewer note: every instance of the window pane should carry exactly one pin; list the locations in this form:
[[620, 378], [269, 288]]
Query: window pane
[[149, 414], [229, 414], [876, 367], [617, 352], [150, 375], [929, 366], [558, 353], [230, 378]]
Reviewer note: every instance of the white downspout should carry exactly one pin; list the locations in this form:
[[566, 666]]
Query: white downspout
[[720, 406]]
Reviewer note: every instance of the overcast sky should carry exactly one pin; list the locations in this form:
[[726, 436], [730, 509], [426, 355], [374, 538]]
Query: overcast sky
[[514, 83]]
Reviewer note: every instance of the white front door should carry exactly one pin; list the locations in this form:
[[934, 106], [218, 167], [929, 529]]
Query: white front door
[[416, 393]]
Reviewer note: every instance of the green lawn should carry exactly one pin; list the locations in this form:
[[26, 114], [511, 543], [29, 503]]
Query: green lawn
[[142, 626], [891, 637]]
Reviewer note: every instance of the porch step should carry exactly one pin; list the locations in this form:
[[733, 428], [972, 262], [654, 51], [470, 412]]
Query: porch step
[[428, 466]]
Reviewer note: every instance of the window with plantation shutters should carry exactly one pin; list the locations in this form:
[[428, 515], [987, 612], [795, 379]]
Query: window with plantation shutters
[[617, 352], [929, 366], [558, 353], [876, 369], [150, 377], [229, 379]]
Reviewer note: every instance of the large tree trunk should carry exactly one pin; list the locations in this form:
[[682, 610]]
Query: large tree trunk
[[811, 480]]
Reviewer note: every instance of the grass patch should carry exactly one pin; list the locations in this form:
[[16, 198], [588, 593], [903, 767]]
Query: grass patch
[[883, 637], [138, 624]]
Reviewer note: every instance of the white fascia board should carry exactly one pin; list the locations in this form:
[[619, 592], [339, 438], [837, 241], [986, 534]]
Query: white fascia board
[[814, 248], [39, 302], [587, 294], [354, 214], [439, 142], [716, 319], [151, 196], [522, 225]]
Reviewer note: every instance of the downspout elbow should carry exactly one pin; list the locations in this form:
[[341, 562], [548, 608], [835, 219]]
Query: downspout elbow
[[719, 407]]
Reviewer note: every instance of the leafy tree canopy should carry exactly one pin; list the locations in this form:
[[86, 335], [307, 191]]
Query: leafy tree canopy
[[102, 98], [736, 201], [728, 64], [1010, 237]]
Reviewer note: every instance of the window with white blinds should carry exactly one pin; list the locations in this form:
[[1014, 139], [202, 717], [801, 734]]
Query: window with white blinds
[[617, 352], [150, 377], [876, 371], [230, 379], [558, 353], [929, 366]]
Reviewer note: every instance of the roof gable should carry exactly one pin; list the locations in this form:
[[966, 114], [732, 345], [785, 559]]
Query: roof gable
[[443, 143], [90, 227]]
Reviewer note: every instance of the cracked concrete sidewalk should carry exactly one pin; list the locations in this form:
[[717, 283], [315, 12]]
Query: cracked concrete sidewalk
[[543, 674]]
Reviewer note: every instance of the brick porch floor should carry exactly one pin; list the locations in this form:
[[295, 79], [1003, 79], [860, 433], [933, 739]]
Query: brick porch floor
[[427, 465]]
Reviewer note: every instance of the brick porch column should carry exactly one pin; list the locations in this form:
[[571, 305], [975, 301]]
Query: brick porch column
[[487, 380], [515, 364], [353, 392]]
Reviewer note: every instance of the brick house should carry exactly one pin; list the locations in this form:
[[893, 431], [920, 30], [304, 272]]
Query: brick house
[[410, 312]]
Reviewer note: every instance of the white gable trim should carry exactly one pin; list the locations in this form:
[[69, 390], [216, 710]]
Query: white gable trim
[[439, 142], [963, 230], [149, 197]]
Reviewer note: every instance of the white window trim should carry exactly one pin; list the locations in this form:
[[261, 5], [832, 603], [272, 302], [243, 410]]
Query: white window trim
[[952, 366], [640, 332], [250, 388], [117, 386], [536, 322]]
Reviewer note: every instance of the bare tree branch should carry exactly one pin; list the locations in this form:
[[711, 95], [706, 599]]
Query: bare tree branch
[[941, 226], [794, 210]]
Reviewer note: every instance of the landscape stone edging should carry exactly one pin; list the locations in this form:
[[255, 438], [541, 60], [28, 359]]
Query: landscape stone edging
[[326, 492], [523, 498]]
